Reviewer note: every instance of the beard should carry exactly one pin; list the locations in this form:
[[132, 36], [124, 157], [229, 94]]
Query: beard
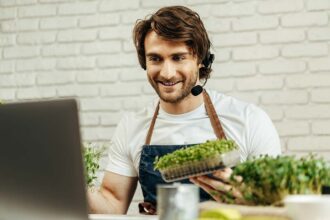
[[179, 93]]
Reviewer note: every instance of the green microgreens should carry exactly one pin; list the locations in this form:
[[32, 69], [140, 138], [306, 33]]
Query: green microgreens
[[267, 180], [194, 153]]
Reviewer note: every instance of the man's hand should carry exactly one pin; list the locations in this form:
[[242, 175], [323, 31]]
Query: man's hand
[[219, 187]]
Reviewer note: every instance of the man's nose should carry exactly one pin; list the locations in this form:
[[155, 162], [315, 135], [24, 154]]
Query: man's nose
[[168, 70]]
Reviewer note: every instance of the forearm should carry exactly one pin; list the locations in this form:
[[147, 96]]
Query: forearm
[[101, 202]]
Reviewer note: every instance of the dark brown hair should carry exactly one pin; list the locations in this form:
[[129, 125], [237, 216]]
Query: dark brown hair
[[176, 23]]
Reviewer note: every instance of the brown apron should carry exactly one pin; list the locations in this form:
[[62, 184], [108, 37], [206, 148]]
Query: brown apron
[[148, 178]]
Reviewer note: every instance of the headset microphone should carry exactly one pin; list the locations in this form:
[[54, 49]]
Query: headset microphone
[[207, 62], [196, 90]]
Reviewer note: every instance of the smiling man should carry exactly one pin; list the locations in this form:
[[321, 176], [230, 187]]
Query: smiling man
[[172, 72], [174, 49]]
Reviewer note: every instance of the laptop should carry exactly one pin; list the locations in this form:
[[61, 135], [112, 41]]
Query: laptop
[[41, 172], [41, 167]]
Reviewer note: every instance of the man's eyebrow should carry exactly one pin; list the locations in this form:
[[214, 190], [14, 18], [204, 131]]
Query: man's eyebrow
[[181, 53], [173, 54], [152, 54]]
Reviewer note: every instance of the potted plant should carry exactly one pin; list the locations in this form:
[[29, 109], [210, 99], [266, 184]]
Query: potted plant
[[267, 180]]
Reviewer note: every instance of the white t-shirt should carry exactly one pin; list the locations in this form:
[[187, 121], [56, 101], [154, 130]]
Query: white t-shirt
[[249, 126]]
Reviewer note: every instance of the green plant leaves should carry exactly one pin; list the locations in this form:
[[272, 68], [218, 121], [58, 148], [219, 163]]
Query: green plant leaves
[[194, 153], [92, 155], [267, 180]]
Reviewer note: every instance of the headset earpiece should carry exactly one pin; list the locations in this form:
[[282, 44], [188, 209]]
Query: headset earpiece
[[208, 60]]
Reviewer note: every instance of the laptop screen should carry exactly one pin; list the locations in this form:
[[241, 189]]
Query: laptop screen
[[41, 161]]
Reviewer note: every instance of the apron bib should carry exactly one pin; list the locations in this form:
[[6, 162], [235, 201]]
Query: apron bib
[[149, 178]]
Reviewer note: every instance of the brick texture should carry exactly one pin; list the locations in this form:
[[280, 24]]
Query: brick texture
[[272, 53]]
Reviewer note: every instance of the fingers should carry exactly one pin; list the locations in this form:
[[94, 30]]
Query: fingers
[[215, 194], [215, 184], [204, 186], [239, 179], [222, 187], [219, 187], [223, 174], [218, 190]]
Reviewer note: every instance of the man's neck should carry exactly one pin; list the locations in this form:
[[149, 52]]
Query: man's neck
[[186, 105]]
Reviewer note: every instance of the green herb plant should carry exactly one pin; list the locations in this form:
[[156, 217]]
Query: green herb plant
[[197, 152], [92, 155], [267, 180]]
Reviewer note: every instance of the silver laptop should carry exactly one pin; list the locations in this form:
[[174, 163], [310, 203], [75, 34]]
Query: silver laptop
[[41, 172], [41, 169]]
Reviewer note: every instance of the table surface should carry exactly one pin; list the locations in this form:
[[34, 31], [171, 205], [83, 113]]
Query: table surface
[[122, 217], [244, 210]]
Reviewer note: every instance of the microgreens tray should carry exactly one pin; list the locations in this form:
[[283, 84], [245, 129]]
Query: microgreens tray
[[197, 160]]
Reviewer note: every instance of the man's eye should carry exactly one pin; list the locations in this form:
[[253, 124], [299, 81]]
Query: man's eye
[[178, 58], [154, 59]]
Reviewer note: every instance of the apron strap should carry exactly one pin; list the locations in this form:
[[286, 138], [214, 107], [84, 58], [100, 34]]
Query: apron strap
[[215, 122], [152, 125], [218, 130]]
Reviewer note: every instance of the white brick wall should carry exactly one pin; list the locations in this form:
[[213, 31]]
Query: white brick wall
[[274, 53]]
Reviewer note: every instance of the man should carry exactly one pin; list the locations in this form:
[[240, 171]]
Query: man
[[174, 49]]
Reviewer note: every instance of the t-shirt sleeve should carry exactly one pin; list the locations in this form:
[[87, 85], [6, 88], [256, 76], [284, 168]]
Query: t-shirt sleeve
[[262, 136], [119, 159]]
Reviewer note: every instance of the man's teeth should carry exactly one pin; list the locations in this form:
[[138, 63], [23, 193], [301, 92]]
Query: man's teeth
[[168, 83]]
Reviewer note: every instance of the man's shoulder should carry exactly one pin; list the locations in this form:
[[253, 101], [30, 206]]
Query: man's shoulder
[[142, 114], [224, 101], [133, 124], [229, 104]]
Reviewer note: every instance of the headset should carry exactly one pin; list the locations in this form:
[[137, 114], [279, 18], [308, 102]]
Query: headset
[[207, 63], [208, 60]]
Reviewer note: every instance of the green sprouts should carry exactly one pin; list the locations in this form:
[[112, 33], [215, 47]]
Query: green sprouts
[[194, 153], [267, 180]]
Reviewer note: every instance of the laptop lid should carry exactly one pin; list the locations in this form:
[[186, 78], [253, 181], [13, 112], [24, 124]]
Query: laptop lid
[[41, 171]]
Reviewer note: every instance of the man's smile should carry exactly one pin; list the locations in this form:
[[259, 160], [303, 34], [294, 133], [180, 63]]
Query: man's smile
[[166, 83]]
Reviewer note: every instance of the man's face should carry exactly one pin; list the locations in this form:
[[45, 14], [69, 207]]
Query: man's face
[[172, 68]]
